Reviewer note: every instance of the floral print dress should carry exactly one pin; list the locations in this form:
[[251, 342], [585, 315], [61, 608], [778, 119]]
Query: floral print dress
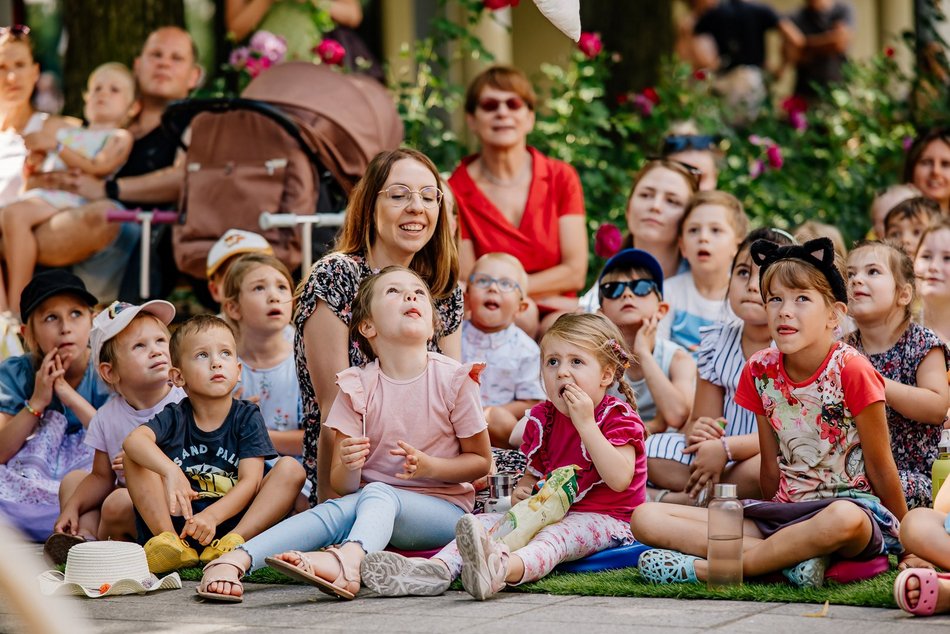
[[913, 444], [334, 280]]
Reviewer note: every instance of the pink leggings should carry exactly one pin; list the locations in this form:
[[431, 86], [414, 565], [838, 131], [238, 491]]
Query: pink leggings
[[577, 535]]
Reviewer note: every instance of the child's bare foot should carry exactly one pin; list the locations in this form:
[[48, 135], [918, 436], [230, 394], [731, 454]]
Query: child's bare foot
[[334, 570], [923, 591], [221, 580]]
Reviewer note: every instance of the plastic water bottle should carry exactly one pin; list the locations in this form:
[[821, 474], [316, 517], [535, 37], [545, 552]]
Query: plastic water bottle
[[941, 466], [724, 549]]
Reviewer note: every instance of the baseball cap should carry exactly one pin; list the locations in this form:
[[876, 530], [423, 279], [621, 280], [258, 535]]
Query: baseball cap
[[118, 315], [49, 283], [635, 259], [235, 242]]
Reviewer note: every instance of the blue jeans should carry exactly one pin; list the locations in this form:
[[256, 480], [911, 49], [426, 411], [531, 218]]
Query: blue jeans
[[374, 516]]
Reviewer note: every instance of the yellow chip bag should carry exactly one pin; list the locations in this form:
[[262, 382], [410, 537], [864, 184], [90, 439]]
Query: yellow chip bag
[[547, 506]]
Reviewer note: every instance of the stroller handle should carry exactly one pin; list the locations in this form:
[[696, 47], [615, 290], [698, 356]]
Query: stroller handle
[[138, 215], [270, 220]]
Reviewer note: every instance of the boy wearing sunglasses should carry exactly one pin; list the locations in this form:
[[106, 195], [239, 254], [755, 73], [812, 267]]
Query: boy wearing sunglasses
[[662, 373]]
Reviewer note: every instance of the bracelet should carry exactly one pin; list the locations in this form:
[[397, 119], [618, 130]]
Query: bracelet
[[725, 446], [29, 408]]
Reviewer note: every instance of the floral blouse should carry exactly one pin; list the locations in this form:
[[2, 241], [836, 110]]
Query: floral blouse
[[334, 280]]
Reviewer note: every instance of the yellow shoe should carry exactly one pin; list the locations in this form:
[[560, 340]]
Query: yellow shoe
[[167, 552], [220, 546]]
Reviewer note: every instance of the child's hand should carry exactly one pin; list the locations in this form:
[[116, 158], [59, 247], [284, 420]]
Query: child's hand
[[579, 405], [51, 369], [68, 521], [707, 466], [646, 337], [353, 452], [118, 464], [201, 527], [519, 493], [179, 492], [414, 466], [239, 395], [43, 140], [706, 428]]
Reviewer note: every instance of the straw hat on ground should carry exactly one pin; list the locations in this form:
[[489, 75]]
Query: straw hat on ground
[[106, 568]]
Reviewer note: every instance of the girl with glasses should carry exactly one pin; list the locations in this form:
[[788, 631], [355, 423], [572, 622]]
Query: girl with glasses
[[510, 196]]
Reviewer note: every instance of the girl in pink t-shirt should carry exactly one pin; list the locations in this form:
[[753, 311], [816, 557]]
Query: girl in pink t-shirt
[[582, 355], [410, 437], [827, 470]]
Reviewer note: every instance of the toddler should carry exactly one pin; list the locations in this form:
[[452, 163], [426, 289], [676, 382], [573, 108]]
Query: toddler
[[661, 373], [582, 355], [906, 222], [195, 471], [924, 591], [709, 234], [98, 150], [883, 202], [826, 462], [932, 269], [911, 358], [720, 443], [130, 349], [47, 398], [409, 438], [811, 229]]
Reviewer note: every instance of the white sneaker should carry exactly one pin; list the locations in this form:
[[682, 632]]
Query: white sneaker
[[484, 561], [392, 575]]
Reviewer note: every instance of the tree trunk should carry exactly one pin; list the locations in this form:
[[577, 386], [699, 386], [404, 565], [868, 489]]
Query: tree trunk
[[103, 31], [640, 31]]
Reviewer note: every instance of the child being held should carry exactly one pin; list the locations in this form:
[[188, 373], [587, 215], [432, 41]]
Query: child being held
[[195, 471], [906, 222], [661, 373], [912, 359], [826, 462], [883, 202], [97, 150], [709, 234], [511, 381], [130, 349], [582, 355], [932, 269]]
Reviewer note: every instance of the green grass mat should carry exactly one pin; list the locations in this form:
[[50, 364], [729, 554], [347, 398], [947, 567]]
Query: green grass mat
[[875, 592]]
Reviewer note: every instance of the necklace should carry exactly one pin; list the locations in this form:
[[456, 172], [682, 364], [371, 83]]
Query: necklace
[[498, 182]]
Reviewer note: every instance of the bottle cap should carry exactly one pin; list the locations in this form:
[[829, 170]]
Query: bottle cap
[[725, 491], [944, 439]]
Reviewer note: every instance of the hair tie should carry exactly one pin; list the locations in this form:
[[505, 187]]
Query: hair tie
[[620, 353]]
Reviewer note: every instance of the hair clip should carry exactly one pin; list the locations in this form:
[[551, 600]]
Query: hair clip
[[819, 252]]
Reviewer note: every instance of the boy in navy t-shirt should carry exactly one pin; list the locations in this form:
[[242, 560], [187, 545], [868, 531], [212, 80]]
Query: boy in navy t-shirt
[[194, 470]]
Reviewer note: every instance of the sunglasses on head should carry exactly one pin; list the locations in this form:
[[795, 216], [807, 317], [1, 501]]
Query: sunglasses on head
[[692, 170], [17, 30], [489, 104], [683, 142], [640, 288]]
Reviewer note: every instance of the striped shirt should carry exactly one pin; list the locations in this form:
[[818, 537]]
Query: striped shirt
[[720, 361]]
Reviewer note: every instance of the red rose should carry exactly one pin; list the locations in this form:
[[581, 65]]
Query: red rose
[[494, 5], [699, 75], [330, 51], [889, 51], [607, 240], [590, 45], [650, 93], [774, 154]]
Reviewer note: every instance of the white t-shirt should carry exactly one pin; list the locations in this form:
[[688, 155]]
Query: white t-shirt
[[117, 419], [690, 311], [12, 155], [279, 393]]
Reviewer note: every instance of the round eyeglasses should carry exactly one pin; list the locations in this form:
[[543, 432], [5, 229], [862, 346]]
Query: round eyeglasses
[[505, 285], [640, 288], [400, 195]]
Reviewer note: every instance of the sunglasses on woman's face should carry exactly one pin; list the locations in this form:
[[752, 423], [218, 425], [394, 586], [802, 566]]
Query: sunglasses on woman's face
[[683, 142], [640, 288], [17, 30], [489, 104]]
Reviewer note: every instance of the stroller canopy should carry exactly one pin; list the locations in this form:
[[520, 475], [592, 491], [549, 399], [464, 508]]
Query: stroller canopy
[[346, 119]]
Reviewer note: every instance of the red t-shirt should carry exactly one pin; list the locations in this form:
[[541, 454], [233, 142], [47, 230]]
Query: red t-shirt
[[555, 191]]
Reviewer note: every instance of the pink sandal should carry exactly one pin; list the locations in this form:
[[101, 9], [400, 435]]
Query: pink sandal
[[927, 602], [303, 571]]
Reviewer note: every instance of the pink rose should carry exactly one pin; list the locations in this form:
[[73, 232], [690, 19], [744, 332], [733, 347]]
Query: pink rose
[[643, 104], [774, 154], [271, 46], [257, 65], [798, 120], [590, 45], [330, 51], [607, 240], [239, 57], [794, 103], [756, 169], [907, 142]]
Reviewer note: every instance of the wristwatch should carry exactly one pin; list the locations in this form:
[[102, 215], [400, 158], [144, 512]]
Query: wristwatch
[[112, 189]]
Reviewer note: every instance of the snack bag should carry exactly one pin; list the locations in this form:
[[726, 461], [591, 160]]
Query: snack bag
[[547, 506]]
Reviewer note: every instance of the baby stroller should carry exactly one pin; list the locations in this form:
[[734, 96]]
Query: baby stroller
[[296, 141]]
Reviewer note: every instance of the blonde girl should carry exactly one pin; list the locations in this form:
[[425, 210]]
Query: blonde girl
[[826, 465], [409, 437], [47, 399], [911, 358], [932, 269], [582, 355]]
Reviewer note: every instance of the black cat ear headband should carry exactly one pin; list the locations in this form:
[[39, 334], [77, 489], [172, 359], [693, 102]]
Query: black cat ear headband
[[819, 252]]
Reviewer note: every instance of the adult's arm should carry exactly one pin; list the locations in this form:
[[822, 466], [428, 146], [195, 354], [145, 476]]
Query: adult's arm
[[466, 260], [326, 350], [159, 187], [242, 16], [571, 273]]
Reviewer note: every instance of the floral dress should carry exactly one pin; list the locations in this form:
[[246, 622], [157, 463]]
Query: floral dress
[[913, 444], [334, 281]]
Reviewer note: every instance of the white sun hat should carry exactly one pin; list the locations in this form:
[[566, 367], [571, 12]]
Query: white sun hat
[[105, 568], [564, 14]]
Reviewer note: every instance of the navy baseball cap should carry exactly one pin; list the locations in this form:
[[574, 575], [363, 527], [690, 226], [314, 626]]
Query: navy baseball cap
[[635, 259], [49, 283]]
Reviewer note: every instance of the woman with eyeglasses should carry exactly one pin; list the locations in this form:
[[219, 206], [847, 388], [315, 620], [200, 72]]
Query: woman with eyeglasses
[[928, 166], [19, 73], [396, 216], [514, 199]]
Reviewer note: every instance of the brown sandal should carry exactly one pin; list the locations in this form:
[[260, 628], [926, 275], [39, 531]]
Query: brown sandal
[[303, 571], [202, 588]]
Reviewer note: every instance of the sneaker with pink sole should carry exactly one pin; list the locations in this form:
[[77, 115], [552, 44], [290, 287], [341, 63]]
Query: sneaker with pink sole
[[484, 561]]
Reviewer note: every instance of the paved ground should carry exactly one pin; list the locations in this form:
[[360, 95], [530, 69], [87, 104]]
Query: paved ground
[[287, 609]]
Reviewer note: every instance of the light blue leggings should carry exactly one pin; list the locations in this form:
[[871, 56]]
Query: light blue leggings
[[375, 516]]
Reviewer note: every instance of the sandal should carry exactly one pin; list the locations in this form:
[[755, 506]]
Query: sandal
[[303, 571], [202, 588], [667, 566], [927, 601]]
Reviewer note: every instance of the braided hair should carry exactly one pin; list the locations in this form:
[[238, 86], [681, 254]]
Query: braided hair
[[599, 335]]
